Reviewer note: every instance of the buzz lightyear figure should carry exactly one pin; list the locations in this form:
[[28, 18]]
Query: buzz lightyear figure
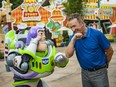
[[35, 60]]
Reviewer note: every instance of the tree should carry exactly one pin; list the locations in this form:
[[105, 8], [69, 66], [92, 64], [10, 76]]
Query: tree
[[15, 3], [73, 6]]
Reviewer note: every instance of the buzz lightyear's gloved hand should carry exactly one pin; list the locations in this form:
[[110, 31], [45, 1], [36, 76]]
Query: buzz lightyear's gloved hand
[[19, 44], [61, 60]]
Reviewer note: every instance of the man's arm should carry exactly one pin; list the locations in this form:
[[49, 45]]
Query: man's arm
[[109, 52], [70, 49]]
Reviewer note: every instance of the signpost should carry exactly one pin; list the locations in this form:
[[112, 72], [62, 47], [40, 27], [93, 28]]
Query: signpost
[[99, 21]]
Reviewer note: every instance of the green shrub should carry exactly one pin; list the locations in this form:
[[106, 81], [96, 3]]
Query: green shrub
[[1, 55], [65, 37]]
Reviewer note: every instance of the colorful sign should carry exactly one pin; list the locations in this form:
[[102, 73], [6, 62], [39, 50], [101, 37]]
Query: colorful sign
[[30, 11], [89, 12]]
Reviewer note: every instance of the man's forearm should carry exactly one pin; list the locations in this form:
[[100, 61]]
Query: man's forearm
[[70, 49], [109, 53]]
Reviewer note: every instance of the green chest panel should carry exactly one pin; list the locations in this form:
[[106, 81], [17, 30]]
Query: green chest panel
[[42, 63]]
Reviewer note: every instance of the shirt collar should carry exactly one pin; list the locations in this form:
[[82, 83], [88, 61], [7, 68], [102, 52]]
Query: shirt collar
[[88, 32]]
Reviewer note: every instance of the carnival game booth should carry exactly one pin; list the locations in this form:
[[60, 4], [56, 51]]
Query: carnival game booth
[[107, 16], [5, 22]]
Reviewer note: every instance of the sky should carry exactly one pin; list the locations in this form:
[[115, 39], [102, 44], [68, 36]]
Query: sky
[[110, 1]]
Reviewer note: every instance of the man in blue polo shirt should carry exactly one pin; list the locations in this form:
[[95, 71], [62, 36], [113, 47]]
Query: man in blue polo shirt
[[93, 52]]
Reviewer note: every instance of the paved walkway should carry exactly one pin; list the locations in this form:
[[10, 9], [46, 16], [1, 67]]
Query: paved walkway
[[63, 77]]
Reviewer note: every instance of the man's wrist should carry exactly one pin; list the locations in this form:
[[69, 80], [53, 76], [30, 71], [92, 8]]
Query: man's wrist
[[73, 40]]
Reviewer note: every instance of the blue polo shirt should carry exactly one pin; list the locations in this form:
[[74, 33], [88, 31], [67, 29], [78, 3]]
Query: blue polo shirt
[[90, 50]]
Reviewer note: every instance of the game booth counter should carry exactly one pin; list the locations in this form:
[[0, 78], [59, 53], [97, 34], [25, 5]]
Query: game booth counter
[[113, 26]]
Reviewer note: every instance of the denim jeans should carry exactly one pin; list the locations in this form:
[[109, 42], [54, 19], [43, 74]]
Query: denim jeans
[[98, 78]]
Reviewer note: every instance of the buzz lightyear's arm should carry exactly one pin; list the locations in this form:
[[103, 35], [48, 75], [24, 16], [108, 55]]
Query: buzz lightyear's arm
[[36, 44], [33, 46]]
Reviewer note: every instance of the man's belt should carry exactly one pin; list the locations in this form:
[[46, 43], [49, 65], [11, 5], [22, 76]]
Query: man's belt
[[97, 68]]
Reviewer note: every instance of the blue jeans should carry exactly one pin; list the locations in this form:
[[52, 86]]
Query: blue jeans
[[98, 78]]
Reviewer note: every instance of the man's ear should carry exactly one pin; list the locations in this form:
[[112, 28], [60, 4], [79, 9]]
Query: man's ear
[[82, 22]]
